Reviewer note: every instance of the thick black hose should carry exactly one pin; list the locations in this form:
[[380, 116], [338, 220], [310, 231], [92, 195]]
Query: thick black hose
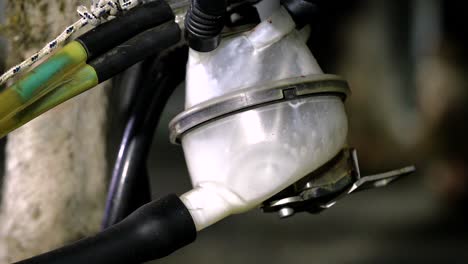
[[203, 24], [110, 34], [140, 47], [130, 184], [153, 231]]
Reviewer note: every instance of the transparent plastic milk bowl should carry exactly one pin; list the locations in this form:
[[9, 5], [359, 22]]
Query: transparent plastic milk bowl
[[241, 160]]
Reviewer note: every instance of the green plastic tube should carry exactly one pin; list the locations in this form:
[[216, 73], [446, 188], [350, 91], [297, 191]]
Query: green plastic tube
[[42, 79], [70, 86]]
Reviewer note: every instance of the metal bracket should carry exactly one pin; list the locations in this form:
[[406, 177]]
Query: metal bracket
[[329, 184]]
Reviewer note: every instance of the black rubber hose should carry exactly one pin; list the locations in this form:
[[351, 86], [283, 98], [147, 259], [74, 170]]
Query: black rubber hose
[[203, 24], [110, 34], [140, 47], [153, 231], [303, 12], [130, 184]]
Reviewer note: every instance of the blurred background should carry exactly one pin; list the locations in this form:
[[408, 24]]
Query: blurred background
[[406, 62]]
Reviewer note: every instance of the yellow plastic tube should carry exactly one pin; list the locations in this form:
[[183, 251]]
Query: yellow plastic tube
[[68, 87], [43, 79]]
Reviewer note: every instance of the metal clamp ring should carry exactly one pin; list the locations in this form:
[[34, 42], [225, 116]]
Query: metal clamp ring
[[245, 99]]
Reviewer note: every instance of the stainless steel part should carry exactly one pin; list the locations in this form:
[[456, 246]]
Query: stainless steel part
[[245, 99], [286, 212], [177, 4], [325, 187]]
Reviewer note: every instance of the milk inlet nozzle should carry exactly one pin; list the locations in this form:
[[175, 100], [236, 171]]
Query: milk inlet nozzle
[[260, 116]]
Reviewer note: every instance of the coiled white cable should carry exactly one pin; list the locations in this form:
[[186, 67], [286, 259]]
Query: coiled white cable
[[99, 12]]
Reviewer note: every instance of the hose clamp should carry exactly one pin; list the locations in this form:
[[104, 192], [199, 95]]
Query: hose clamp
[[246, 99]]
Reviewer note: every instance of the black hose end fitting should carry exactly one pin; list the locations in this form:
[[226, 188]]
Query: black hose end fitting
[[153, 231], [203, 24], [303, 12]]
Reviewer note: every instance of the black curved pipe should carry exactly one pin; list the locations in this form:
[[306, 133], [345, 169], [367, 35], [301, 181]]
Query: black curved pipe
[[203, 24], [129, 187], [154, 231]]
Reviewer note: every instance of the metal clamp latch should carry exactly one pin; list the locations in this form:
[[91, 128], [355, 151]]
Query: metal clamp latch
[[326, 186]]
